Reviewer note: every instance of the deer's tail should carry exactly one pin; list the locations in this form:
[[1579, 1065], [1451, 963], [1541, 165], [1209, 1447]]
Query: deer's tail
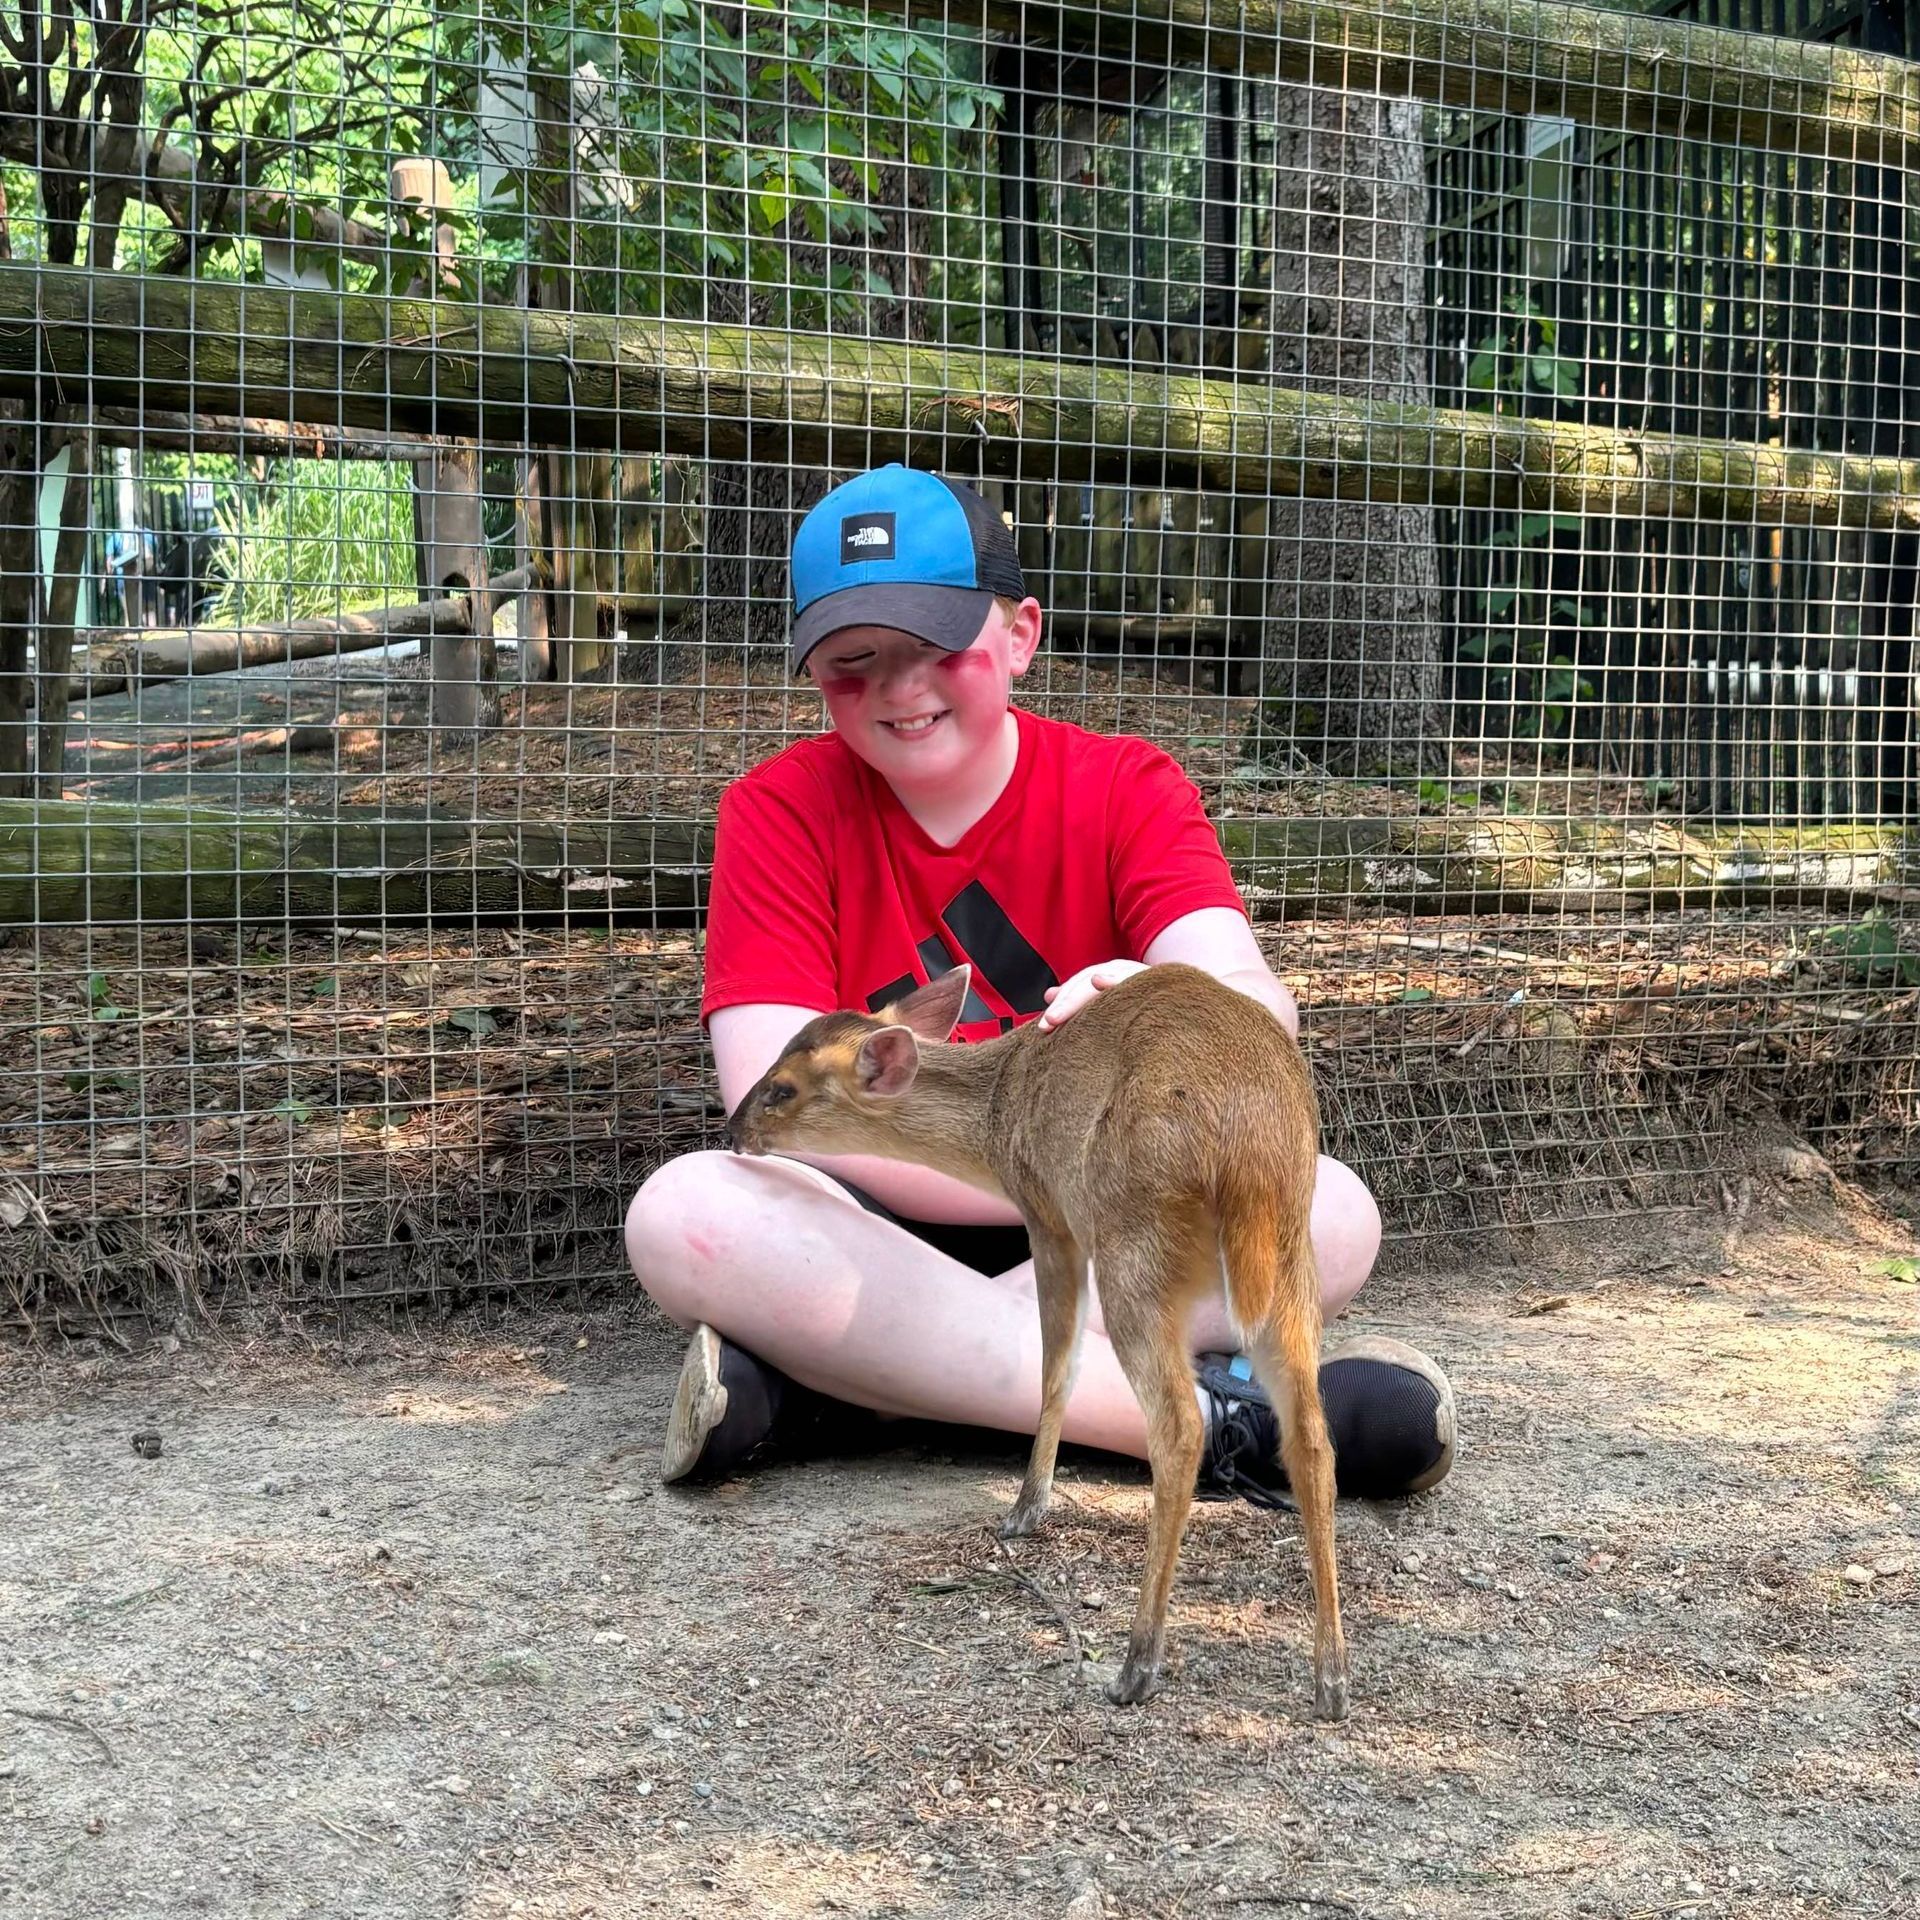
[[1266, 1248]]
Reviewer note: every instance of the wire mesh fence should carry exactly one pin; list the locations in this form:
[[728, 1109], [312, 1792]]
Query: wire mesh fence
[[1474, 439]]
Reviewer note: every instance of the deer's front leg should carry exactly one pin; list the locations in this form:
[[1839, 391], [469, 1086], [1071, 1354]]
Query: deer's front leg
[[1060, 1280]]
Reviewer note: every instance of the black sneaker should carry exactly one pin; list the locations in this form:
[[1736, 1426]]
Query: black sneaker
[[725, 1405], [1389, 1415]]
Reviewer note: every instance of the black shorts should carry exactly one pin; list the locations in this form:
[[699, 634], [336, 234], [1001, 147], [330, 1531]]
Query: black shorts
[[985, 1249]]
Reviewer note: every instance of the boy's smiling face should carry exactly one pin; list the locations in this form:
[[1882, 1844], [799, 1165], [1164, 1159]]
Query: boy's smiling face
[[919, 716]]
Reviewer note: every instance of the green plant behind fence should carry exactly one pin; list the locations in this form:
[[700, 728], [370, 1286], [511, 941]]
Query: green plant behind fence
[[315, 538]]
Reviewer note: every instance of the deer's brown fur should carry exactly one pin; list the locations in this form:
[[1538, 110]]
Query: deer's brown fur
[[1167, 1134]]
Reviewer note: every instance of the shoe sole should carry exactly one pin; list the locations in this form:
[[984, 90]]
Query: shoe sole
[[1396, 1353], [699, 1405]]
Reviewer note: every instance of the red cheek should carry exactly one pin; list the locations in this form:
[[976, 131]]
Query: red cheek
[[843, 686], [970, 661]]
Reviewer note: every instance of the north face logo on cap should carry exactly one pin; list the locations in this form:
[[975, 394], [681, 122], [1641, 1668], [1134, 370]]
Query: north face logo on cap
[[866, 536]]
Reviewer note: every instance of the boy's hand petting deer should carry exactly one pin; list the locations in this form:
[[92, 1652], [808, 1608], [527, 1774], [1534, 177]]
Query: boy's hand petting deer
[[1166, 1135]]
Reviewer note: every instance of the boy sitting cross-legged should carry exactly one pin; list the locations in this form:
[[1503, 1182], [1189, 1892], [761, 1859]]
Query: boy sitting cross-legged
[[938, 823]]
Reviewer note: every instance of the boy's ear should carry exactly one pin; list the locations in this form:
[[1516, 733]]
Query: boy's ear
[[1023, 635], [933, 1011], [887, 1062]]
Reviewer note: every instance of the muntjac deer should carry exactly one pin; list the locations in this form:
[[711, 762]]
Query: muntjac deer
[[1167, 1135]]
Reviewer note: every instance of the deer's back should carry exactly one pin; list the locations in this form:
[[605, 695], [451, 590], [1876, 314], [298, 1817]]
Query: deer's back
[[1148, 1087]]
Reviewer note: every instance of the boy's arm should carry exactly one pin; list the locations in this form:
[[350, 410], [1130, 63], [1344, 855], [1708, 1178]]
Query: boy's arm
[[747, 1040], [1217, 940]]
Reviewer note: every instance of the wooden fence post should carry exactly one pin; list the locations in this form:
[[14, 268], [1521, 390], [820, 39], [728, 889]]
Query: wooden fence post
[[449, 528]]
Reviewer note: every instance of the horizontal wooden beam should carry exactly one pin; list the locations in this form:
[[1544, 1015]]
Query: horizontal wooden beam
[[171, 432], [77, 862], [99, 863], [514, 377]]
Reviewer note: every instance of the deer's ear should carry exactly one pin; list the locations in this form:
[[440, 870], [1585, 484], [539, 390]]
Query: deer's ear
[[933, 1011], [887, 1062]]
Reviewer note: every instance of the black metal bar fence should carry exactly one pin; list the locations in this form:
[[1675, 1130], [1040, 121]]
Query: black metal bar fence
[[1475, 438]]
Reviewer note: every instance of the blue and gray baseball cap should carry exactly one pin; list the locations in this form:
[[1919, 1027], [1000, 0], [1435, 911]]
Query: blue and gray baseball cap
[[904, 549]]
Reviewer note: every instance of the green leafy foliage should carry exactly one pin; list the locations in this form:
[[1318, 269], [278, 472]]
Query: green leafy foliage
[[283, 110], [723, 157], [315, 539], [1871, 949], [1519, 359], [764, 150]]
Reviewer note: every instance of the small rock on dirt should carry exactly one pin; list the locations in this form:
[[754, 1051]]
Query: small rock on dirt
[[1411, 1561], [1085, 1905], [1798, 1163], [1094, 1599], [517, 1667], [1858, 1576], [147, 1445]]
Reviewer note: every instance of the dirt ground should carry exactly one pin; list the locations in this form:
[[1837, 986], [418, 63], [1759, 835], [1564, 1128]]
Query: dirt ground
[[400, 1623]]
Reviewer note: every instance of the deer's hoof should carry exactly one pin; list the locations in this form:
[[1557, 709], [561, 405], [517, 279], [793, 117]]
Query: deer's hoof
[[1330, 1695], [1138, 1680], [1023, 1520]]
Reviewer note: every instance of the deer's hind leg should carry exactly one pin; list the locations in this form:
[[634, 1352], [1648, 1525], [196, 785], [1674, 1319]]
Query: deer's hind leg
[[1060, 1281], [1145, 1291], [1286, 1356]]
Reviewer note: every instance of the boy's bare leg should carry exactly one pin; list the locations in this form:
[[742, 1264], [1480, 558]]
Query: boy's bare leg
[[785, 1263]]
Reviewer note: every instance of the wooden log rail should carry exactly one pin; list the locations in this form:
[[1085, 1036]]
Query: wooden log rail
[[1626, 71], [514, 376], [74, 863]]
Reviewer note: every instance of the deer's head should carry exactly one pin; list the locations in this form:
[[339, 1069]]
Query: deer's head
[[838, 1086]]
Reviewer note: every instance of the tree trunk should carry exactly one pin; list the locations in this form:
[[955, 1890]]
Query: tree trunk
[[752, 512], [55, 648], [462, 660], [1351, 639], [754, 507], [575, 485], [19, 587]]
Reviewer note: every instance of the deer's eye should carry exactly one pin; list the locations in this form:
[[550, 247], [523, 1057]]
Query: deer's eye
[[779, 1093]]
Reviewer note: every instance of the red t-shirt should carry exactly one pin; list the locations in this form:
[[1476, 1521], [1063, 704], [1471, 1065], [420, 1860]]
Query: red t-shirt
[[826, 893]]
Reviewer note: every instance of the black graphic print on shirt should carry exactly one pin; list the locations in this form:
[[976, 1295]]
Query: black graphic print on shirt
[[998, 951]]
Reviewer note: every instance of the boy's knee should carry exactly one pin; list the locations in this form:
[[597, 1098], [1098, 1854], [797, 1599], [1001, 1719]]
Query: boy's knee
[[664, 1228], [1346, 1233]]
